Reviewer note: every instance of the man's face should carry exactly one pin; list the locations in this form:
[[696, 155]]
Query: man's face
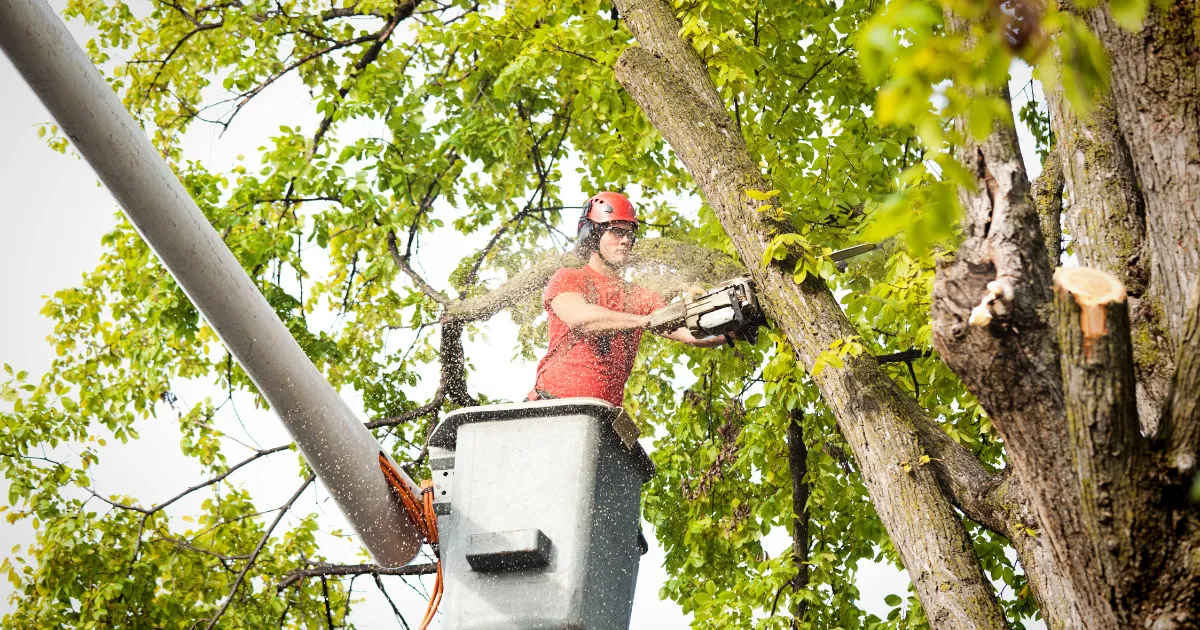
[[616, 242]]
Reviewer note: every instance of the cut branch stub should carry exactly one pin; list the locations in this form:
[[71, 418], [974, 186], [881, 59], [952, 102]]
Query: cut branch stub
[[1094, 292], [1105, 548]]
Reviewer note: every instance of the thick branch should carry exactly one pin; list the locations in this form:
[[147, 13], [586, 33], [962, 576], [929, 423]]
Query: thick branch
[[1105, 444], [1047, 195], [322, 570], [1181, 422], [667, 79]]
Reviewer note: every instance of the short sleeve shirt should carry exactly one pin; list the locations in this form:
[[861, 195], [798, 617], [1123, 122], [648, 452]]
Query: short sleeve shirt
[[579, 365]]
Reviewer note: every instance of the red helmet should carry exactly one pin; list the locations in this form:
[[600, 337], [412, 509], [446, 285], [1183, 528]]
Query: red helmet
[[606, 207]]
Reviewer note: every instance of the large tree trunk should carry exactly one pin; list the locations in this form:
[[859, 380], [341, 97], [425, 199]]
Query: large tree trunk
[[1156, 95], [1057, 377], [668, 80]]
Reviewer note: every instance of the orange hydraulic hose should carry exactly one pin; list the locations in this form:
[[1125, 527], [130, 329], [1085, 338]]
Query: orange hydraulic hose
[[421, 513]]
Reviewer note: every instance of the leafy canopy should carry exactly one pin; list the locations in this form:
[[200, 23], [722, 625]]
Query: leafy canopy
[[485, 120]]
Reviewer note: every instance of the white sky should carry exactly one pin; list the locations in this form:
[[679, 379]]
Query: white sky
[[52, 215]]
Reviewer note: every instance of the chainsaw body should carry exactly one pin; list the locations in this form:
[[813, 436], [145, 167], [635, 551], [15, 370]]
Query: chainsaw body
[[730, 308]]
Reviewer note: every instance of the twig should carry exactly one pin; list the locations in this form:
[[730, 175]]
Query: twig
[[257, 549]]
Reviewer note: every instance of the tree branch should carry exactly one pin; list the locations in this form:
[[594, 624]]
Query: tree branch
[[325, 570], [402, 264], [257, 550], [1106, 550]]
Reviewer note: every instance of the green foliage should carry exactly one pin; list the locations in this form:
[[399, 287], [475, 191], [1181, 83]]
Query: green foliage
[[481, 116]]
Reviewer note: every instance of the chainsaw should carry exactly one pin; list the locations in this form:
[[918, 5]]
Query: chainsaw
[[730, 308]]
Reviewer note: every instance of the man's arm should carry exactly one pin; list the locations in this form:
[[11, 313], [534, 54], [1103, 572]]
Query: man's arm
[[590, 319], [683, 335]]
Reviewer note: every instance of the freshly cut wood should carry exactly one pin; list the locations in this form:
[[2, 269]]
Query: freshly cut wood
[[1094, 291]]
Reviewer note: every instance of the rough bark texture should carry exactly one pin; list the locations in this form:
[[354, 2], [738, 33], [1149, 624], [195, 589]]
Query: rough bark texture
[[1156, 95], [1011, 363], [1047, 194], [1181, 419], [998, 502], [1106, 219], [1109, 452], [668, 80], [798, 464]]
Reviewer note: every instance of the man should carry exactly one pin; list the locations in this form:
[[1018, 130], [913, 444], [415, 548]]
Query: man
[[596, 318]]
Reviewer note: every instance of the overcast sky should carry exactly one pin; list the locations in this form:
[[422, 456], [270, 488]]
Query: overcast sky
[[53, 214]]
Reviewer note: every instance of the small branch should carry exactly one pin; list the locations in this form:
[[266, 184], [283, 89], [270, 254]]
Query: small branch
[[402, 264], [424, 410], [257, 550], [903, 357], [247, 96], [388, 597], [257, 455], [323, 570]]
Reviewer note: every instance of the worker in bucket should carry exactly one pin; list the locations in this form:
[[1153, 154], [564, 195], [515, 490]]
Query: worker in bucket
[[596, 318]]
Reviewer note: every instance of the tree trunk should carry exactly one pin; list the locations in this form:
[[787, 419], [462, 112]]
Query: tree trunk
[[1106, 219], [1156, 95], [668, 80]]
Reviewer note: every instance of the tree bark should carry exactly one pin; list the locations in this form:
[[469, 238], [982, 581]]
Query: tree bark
[[1047, 194], [668, 80], [993, 324], [1156, 95], [1106, 218], [1106, 444], [798, 465]]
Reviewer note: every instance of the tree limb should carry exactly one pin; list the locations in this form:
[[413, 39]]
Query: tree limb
[[324, 570], [402, 264], [257, 550], [1107, 553]]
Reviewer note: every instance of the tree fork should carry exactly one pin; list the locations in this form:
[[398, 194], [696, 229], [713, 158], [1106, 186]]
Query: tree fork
[[669, 82]]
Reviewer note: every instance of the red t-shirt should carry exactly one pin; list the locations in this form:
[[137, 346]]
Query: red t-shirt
[[578, 365]]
